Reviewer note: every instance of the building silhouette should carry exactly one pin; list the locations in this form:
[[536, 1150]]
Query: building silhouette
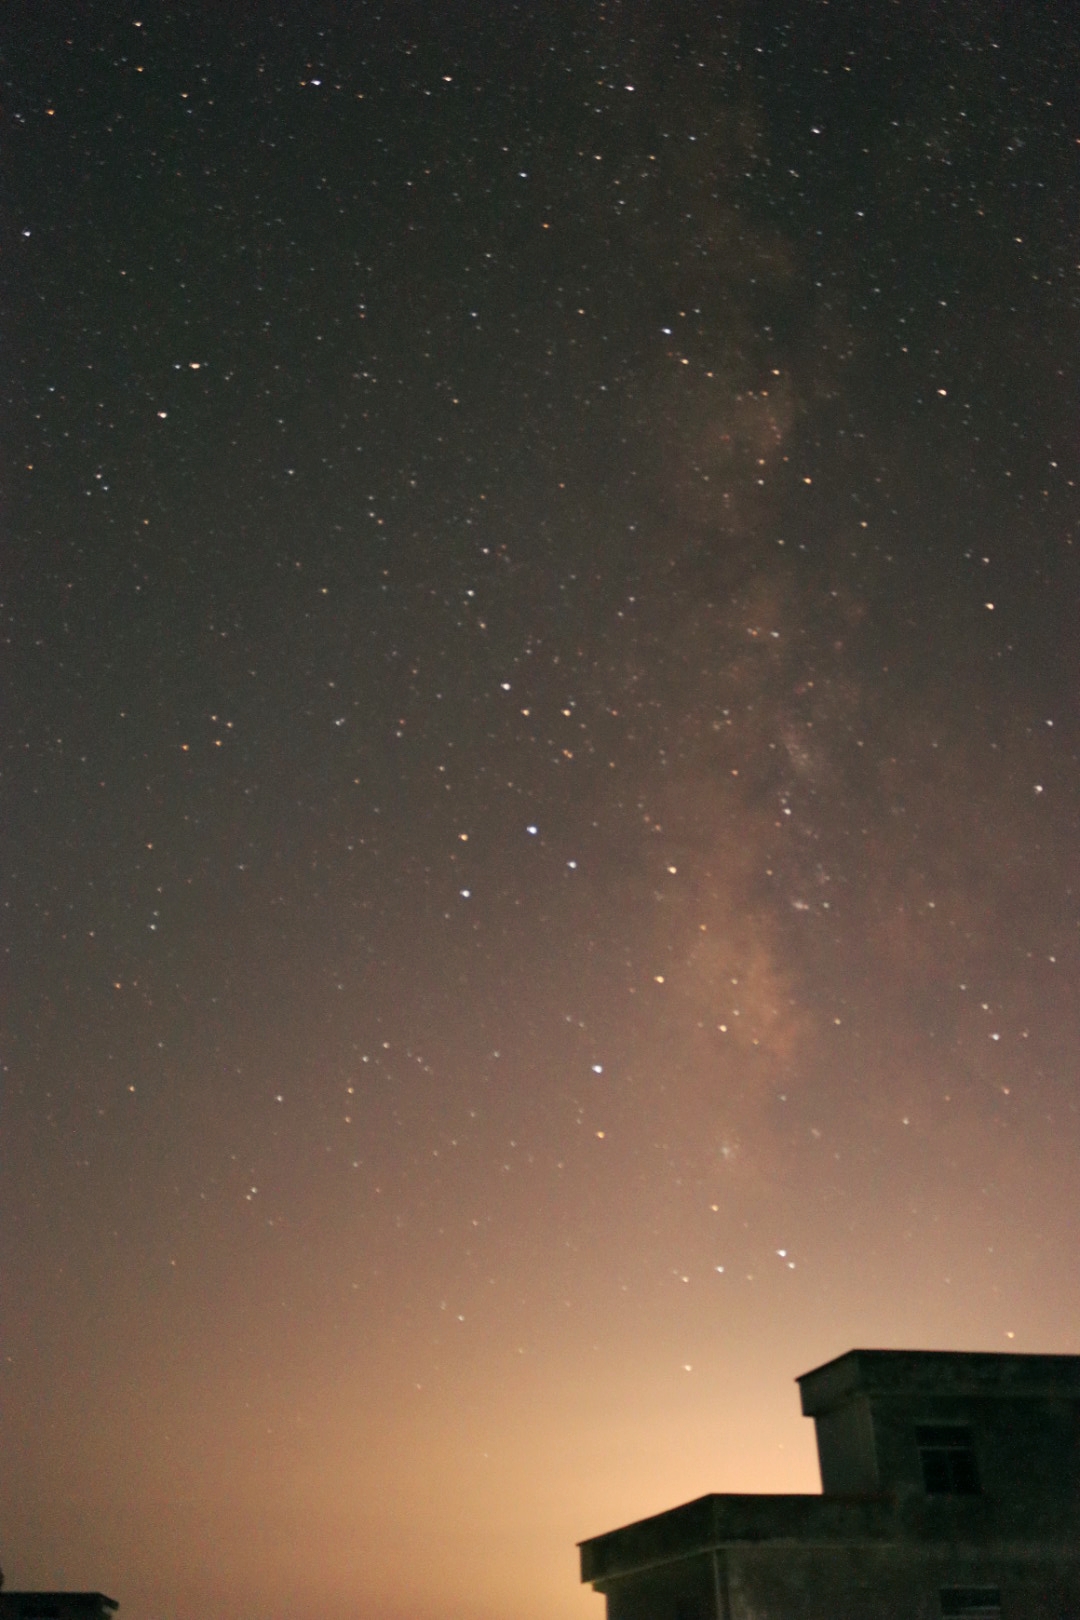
[[950, 1487], [56, 1606]]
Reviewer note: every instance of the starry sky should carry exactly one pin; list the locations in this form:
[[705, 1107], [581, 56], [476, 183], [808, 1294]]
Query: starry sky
[[540, 767]]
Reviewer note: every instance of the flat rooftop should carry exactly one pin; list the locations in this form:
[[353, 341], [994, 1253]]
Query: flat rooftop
[[1004, 1375]]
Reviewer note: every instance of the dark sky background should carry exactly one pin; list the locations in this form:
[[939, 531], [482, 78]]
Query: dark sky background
[[541, 656]]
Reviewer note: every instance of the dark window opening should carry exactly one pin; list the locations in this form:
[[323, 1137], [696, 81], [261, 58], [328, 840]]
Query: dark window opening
[[948, 1460], [972, 1602]]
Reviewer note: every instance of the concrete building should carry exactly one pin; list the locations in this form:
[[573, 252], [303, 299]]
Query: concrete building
[[950, 1487]]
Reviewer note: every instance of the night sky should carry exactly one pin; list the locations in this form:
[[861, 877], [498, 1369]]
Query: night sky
[[541, 881]]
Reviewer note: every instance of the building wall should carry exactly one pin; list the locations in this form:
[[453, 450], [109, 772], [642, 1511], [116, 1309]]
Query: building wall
[[773, 1583], [847, 1450], [1028, 1455], [860, 1584], [682, 1590]]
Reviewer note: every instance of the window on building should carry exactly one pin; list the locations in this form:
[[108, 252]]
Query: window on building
[[947, 1455], [973, 1602]]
